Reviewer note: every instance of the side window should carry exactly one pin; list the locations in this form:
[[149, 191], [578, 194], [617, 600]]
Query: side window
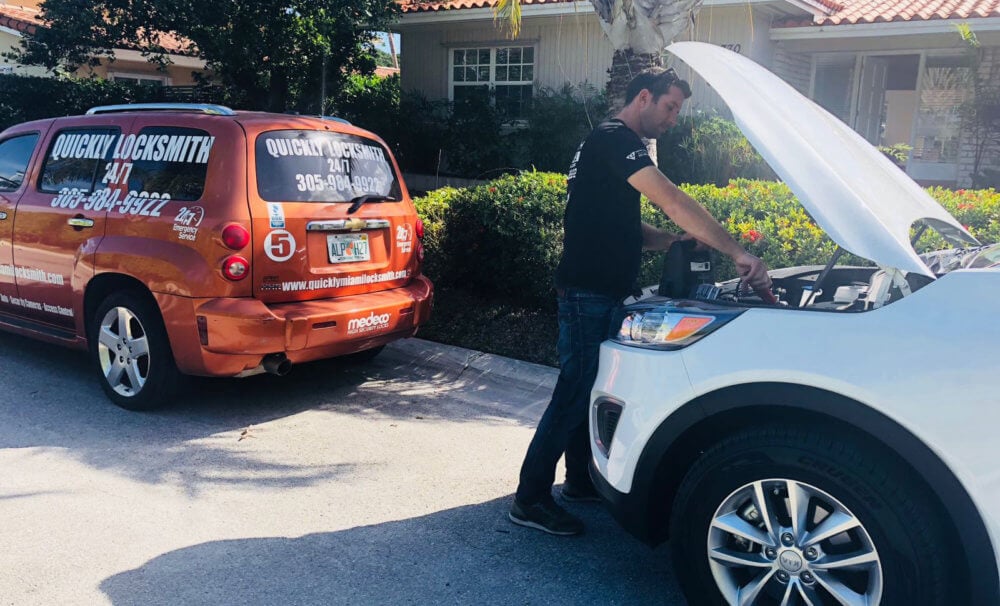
[[75, 159], [15, 154], [170, 161]]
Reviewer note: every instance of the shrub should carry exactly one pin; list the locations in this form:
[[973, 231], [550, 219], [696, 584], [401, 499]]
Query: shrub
[[707, 148], [556, 124], [502, 239]]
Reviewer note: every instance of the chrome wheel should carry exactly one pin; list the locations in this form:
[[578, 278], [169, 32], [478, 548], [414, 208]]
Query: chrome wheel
[[784, 542], [123, 351]]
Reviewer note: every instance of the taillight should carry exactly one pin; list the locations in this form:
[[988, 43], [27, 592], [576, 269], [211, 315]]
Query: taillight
[[235, 236], [235, 267], [666, 326], [419, 230]]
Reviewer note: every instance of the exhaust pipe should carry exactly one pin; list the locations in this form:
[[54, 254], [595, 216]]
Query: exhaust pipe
[[276, 364]]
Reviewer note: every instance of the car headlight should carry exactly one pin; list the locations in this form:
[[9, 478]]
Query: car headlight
[[667, 326]]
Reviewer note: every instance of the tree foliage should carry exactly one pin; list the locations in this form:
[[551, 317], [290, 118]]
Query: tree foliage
[[274, 51]]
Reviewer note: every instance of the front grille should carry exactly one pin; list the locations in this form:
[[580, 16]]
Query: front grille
[[609, 413]]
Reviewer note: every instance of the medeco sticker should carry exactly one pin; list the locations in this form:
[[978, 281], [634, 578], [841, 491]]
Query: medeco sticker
[[369, 323]]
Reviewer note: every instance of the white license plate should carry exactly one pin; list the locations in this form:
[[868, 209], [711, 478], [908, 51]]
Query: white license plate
[[345, 248]]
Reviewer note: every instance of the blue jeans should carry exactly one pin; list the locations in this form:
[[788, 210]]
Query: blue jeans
[[584, 320]]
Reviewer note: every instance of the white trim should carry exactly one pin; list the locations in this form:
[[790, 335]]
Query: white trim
[[178, 60], [453, 15], [10, 31], [879, 30], [492, 82]]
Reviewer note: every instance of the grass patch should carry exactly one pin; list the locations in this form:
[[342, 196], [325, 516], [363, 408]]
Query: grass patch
[[493, 326]]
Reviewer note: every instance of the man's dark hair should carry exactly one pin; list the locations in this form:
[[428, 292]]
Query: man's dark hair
[[657, 81]]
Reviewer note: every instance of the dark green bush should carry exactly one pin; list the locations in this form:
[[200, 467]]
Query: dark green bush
[[556, 124], [503, 238], [707, 148], [34, 98]]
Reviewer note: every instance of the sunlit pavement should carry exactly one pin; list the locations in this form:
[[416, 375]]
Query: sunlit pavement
[[386, 483]]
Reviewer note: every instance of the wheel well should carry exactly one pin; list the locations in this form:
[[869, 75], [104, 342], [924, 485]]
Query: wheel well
[[689, 431], [103, 285]]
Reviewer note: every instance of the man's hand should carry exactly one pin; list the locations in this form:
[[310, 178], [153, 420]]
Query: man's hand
[[752, 270]]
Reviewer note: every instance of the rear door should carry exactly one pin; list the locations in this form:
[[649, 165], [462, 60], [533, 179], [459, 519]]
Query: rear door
[[307, 243], [16, 152], [61, 217]]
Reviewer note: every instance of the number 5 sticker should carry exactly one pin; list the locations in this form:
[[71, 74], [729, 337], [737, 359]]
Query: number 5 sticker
[[279, 245]]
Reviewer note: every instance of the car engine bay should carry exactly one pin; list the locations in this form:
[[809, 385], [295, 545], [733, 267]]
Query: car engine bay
[[688, 274]]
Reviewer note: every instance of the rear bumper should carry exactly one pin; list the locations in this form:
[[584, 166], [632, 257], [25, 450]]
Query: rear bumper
[[238, 332]]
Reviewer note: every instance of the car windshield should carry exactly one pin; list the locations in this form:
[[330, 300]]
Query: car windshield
[[318, 166]]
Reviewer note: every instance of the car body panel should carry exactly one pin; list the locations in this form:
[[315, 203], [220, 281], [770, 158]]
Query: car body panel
[[950, 407], [863, 201], [160, 191]]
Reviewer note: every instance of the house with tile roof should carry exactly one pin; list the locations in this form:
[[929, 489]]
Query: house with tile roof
[[20, 16], [894, 70]]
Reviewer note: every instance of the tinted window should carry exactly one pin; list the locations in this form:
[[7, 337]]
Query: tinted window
[[317, 166], [76, 159], [169, 161], [14, 156]]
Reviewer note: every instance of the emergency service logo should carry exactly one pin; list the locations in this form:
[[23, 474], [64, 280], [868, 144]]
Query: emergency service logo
[[404, 238]]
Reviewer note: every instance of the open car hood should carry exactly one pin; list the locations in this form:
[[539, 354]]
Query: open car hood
[[862, 200]]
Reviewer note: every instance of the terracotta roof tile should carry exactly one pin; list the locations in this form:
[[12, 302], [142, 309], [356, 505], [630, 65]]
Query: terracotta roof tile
[[884, 11], [19, 18], [26, 19], [840, 12], [420, 6]]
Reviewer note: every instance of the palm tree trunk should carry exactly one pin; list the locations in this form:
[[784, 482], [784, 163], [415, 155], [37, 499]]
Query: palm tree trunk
[[624, 66]]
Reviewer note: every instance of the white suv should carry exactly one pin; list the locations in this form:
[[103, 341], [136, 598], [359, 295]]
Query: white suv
[[839, 446]]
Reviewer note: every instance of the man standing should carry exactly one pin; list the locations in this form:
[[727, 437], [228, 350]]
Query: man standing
[[602, 246]]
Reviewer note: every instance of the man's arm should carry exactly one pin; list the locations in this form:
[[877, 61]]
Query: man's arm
[[697, 222], [656, 239]]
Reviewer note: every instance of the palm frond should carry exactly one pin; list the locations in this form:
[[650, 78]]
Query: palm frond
[[507, 16]]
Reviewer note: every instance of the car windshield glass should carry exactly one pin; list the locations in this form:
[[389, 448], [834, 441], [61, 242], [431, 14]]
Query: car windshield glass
[[318, 166]]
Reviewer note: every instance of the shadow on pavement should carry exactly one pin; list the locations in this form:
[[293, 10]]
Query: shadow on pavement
[[466, 555], [52, 400]]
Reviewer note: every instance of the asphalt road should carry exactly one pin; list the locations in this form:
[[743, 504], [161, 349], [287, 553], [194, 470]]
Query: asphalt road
[[380, 484]]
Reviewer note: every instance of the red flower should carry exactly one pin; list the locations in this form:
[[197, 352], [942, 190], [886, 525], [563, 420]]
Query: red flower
[[964, 205], [493, 190], [752, 235], [959, 191]]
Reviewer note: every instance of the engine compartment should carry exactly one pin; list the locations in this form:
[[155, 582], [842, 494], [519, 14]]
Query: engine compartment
[[687, 274]]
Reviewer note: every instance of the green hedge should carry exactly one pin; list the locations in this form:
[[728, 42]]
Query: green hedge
[[504, 238]]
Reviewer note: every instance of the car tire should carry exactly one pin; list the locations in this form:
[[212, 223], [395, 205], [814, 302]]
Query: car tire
[[894, 533], [131, 353]]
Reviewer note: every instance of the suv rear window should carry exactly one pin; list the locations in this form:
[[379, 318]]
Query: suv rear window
[[14, 156], [318, 166]]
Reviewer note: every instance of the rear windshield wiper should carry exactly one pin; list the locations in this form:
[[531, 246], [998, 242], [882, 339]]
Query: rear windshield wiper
[[356, 203]]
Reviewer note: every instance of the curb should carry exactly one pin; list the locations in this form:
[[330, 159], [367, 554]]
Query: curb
[[525, 387]]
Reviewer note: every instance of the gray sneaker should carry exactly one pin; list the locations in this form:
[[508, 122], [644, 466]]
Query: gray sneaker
[[546, 516]]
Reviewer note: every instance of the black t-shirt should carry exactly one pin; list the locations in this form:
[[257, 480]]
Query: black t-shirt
[[602, 241]]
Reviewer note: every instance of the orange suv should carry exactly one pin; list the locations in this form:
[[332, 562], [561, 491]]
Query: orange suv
[[173, 239]]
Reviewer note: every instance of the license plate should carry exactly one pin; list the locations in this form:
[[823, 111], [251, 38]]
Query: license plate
[[346, 248]]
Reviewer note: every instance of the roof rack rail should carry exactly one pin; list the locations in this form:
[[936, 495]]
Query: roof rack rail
[[204, 108]]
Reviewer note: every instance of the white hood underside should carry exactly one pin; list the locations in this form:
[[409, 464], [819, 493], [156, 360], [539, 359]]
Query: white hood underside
[[862, 200]]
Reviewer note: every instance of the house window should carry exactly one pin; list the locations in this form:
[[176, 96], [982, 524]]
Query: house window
[[505, 73], [137, 79]]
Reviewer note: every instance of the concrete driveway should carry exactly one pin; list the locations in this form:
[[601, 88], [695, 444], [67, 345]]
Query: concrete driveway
[[380, 484]]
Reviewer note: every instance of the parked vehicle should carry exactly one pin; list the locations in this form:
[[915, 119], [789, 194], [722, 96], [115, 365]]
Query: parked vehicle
[[838, 446], [174, 239]]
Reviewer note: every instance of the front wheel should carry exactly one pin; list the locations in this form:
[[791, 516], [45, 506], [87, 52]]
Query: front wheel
[[795, 516], [129, 347]]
